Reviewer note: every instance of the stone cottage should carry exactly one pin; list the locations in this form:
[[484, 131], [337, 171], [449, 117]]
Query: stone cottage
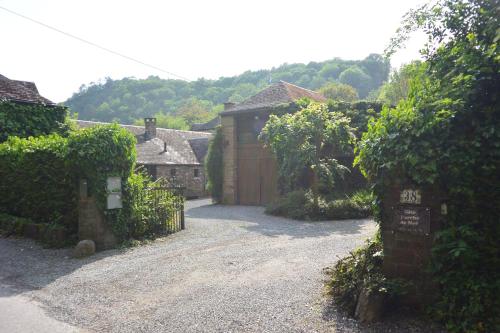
[[250, 170], [175, 155]]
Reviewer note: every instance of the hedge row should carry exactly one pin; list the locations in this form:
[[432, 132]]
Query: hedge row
[[39, 176], [25, 120]]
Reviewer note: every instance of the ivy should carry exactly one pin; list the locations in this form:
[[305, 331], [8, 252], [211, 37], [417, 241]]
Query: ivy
[[446, 135], [26, 119], [214, 165]]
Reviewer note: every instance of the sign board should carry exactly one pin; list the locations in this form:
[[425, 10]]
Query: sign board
[[114, 189], [412, 219], [114, 201], [114, 185], [409, 196]]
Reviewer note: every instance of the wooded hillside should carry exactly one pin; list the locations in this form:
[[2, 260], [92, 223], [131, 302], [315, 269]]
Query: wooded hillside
[[179, 103]]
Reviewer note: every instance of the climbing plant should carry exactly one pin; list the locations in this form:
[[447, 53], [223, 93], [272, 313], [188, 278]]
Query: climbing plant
[[214, 165], [308, 141], [446, 134], [26, 119]]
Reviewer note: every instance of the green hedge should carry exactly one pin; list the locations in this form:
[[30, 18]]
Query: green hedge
[[36, 181], [25, 120], [39, 176], [299, 205]]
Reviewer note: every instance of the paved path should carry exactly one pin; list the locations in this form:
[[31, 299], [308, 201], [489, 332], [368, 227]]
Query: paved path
[[233, 269]]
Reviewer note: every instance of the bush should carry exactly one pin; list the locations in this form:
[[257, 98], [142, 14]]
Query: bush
[[299, 205], [25, 120], [362, 269], [36, 181], [214, 165], [51, 235]]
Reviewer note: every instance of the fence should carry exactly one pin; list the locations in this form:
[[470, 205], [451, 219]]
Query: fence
[[159, 209], [168, 206]]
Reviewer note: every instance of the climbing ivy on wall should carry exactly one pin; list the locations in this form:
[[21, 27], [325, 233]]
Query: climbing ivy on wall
[[446, 135], [26, 119]]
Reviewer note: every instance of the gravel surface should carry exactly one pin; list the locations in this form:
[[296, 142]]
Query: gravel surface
[[233, 269]]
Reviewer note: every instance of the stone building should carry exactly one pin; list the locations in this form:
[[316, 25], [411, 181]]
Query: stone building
[[21, 92], [250, 170], [175, 155]]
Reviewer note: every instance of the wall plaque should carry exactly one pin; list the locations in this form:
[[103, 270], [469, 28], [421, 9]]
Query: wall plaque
[[409, 196], [412, 219]]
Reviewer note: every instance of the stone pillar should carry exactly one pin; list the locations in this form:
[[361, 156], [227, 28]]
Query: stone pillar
[[91, 221], [410, 218], [229, 186]]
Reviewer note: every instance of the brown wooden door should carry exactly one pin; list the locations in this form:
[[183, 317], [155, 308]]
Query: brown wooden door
[[249, 184], [268, 178]]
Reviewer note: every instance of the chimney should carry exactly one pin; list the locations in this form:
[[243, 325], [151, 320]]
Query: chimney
[[149, 128], [228, 105]]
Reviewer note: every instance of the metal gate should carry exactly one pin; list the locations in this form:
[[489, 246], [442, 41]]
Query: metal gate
[[167, 203]]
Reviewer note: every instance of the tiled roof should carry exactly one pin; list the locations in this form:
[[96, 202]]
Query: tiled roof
[[208, 126], [274, 95], [20, 91], [183, 147]]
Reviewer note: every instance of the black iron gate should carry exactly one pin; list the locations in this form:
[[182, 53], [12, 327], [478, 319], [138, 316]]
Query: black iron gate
[[168, 206]]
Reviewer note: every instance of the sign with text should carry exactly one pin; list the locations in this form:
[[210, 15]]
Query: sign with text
[[409, 196], [412, 219]]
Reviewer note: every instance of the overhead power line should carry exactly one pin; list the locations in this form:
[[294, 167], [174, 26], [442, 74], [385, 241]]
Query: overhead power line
[[93, 44]]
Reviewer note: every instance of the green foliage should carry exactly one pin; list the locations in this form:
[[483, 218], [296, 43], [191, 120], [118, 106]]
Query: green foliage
[[214, 165], [445, 135], [339, 92], [141, 208], [357, 78], [35, 180], [166, 121], [300, 205], [362, 269], [307, 142], [130, 99], [398, 87], [24, 120], [98, 152], [360, 113], [51, 235]]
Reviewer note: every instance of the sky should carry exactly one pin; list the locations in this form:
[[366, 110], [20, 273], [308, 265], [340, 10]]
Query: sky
[[189, 38]]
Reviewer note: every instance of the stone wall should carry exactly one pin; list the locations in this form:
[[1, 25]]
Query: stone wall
[[185, 177], [229, 189], [91, 225], [408, 230]]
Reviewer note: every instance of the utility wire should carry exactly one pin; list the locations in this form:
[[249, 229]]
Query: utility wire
[[93, 44]]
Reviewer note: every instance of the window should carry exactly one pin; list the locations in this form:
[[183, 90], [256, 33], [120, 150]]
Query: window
[[173, 172], [196, 173]]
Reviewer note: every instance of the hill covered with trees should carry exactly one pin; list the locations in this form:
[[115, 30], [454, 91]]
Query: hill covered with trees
[[178, 104]]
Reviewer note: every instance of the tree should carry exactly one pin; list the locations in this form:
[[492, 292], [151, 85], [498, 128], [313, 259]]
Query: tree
[[398, 87], [339, 92], [308, 139], [357, 78]]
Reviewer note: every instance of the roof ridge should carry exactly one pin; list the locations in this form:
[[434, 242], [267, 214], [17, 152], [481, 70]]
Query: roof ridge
[[296, 86], [138, 126]]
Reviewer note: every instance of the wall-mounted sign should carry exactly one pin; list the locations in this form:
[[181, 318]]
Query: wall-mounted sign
[[114, 185], [114, 189], [412, 219], [409, 196]]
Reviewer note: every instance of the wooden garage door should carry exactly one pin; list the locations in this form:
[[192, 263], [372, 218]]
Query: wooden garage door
[[256, 167], [257, 175]]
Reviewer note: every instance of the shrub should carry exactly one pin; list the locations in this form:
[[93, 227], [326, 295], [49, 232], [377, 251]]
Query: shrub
[[35, 180], [362, 269], [25, 120], [300, 205], [214, 165]]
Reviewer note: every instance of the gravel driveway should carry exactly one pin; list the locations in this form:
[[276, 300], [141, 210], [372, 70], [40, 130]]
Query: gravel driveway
[[233, 269]]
